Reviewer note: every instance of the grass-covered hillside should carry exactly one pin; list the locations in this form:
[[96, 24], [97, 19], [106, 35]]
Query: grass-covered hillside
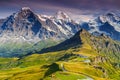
[[19, 49], [82, 57]]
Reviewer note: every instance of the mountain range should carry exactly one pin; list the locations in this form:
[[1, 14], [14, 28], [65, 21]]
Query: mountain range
[[25, 29], [26, 32], [108, 24]]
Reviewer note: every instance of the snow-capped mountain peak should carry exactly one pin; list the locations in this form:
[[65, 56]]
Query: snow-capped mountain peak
[[109, 17], [62, 16], [32, 26], [112, 18], [108, 24], [25, 8], [44, 17]]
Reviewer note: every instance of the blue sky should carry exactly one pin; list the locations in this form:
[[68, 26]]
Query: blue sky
[[7, 7]]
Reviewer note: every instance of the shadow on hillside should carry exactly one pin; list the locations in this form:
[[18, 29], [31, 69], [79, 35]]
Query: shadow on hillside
[[51, 69], [73, 42], [70, 43]]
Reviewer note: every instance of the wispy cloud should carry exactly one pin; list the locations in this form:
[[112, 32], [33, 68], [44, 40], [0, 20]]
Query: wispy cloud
[[51, 6]]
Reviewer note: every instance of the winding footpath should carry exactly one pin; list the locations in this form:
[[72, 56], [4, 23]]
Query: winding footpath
[[87, 77]]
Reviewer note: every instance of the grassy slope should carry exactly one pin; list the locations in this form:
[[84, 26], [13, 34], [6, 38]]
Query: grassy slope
[[41, 66], [73, 63], [20, 49]]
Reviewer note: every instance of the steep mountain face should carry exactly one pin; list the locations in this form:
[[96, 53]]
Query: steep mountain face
[[25, 24], [108, 24], [65, 24], [62, 16], [25, 29], [33, 27], [1, 21]]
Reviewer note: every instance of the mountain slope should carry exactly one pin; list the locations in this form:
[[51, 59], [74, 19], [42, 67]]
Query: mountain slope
[[86, 56], [83, 37], [102, 52], [26, 31], [33, 27], [102, 44]]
